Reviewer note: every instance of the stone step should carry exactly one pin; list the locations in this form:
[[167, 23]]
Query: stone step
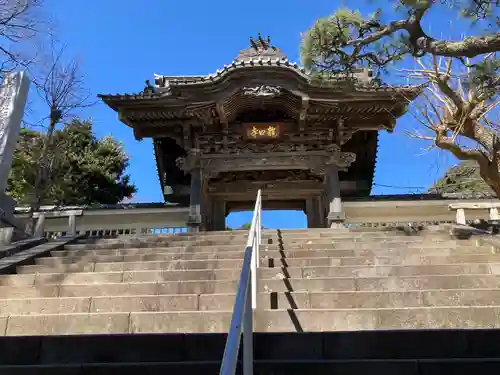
[[89, 265], [153, 271], [171, 238], [361, 235], [316, 346], [183, 253], [78, 249], [266, 301], [404, 260], [326, 284], [341, 232], [152, 244], [402, 238], [270, 260], [299, 366], [109, 284], [371, 244], [240, 235], [273, 236], [327, 232], [387, 252], [264, 321], [229, 240], [242, 241], [387, 271]]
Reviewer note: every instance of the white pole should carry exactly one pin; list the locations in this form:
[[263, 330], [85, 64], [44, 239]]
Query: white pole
[[248, 332], [40, 225], [253, 275]]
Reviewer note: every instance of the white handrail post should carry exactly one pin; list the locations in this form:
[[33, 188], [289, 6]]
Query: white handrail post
[[248, 332], [461, 216], [246, 302], [72, 225], [253, 277], [259, 236], [494, 213], [40, 225]]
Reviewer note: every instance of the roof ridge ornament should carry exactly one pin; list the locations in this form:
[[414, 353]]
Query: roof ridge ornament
[[262, 91], [260, 48], [261, 43], [149, 89]]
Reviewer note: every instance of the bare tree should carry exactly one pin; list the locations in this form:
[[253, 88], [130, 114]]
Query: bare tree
[[460, 114], [61, 88], [20, 22], [458, 106]]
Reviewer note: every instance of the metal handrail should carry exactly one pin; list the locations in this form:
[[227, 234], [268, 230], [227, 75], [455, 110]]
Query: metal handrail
[[246, 301]]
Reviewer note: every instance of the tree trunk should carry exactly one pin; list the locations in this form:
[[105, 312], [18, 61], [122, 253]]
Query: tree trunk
[[490, 173], [41, 178]]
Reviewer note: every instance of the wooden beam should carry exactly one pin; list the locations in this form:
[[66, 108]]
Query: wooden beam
[[138, 134], [303, 112], [186, 136], [158, 132], [122, 117], [251, 187], [219, 107], [296, 205]]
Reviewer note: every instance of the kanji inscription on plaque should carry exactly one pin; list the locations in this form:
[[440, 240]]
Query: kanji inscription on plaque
[[262, 131]]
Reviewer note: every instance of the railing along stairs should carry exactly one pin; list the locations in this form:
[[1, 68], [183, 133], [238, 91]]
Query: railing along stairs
[[246, 301]]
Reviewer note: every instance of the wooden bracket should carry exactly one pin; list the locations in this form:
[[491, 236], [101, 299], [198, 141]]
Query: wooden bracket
[[303, 112]]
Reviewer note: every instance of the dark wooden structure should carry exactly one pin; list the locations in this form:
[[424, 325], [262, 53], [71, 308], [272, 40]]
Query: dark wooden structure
[[262, 122]]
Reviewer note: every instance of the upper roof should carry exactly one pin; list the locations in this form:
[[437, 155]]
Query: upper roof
[[261, 58]]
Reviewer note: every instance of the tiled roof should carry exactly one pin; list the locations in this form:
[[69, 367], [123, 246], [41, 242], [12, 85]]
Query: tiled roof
[[164, 84], [283, 62]]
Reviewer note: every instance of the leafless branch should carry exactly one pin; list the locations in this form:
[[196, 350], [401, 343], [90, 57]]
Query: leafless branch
[[20, 22], [61, 87], [451, 111]]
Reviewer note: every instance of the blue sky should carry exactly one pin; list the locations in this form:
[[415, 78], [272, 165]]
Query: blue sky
[[121, 43]]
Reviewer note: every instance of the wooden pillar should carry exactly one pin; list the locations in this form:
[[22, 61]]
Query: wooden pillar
[[194, 219], [321, 212], [313, 213], [336, 215], [219, 215]]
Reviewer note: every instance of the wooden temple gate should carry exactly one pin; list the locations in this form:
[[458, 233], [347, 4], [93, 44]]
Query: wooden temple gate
[[263, 123]]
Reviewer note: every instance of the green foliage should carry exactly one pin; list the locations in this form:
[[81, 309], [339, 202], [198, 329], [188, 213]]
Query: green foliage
[[246, 226], [81, 169], [484, 77], [326, 35], [348, 40], [462, 178], [331, 44]]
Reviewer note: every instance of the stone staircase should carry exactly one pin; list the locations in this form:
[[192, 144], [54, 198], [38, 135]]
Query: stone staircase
[[315, 280]]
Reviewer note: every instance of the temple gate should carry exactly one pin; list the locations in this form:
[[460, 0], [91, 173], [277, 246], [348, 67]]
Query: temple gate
[[261, 122]]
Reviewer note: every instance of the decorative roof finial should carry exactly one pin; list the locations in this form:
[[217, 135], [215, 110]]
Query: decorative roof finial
[[260, 47], [149, 89], [252, 43], [262, 42]]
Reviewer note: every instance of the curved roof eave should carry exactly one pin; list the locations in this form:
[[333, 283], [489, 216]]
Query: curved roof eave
[[166, 86]]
